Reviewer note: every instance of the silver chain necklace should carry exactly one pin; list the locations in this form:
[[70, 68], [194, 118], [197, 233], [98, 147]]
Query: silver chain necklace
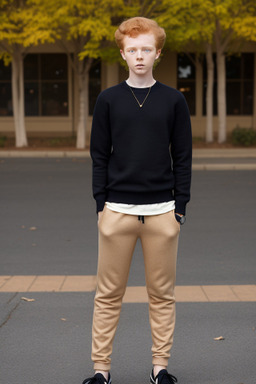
[[140, 104]]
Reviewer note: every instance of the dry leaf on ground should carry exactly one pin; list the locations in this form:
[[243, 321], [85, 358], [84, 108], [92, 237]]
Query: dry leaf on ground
[[219, 338], [27, 299]]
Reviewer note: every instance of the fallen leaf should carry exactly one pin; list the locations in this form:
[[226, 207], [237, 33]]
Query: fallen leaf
[[27, 299], [32, 228], [23, 226], [63, 319], [219, 338]]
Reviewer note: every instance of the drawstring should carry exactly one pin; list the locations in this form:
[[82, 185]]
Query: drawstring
[[142, 219]]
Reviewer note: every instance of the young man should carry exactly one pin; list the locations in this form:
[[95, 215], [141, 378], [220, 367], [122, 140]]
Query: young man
[[141, 152]]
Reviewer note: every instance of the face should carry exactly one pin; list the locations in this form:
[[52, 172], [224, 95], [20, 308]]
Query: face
[[140, 53]]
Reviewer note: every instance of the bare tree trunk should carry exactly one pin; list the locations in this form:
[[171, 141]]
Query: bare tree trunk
[[83, 80], [18, 99], [23, 135], [209, 94], [15, 99], [221, 79]]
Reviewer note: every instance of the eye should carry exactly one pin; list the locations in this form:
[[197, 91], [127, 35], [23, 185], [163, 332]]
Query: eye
[[147, 50], [131, 50]]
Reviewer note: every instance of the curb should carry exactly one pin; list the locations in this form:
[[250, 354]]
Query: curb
[[41, 154], [224, 167], [224, 153], [203, 154], [198, 153]]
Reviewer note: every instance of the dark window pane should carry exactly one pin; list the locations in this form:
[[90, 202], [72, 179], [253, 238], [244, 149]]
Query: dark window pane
[[186, 68], [94, 85], [233, 67], [6, 99], [54, 66], [5, 71], [54, 99], [248, 66], [31, 99], [247, 102], [188, 90], [233, 98], [31, 68]]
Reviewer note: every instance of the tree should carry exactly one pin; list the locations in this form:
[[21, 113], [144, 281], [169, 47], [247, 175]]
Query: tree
[[18, 31], [189, 27], [235, 22], [209, 25], [83, 28]]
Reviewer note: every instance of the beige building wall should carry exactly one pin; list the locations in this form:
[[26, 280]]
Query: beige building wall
[[165, 71]]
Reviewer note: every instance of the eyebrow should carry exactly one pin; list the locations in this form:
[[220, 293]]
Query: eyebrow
[[145, 46]]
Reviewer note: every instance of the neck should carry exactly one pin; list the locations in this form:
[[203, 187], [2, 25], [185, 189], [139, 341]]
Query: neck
[[140, 81]]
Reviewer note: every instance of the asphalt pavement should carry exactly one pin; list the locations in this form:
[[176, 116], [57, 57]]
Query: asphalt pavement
[[48, 227]]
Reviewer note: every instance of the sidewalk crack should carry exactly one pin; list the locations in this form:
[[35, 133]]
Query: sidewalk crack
[[8, 317]]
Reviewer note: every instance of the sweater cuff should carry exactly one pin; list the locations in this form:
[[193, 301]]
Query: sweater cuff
[[180, 207], [100, 205]]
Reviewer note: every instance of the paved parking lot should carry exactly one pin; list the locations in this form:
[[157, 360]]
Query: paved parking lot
[[49, 240]]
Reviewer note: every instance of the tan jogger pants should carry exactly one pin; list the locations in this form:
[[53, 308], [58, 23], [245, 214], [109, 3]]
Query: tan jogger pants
[[118, 234]]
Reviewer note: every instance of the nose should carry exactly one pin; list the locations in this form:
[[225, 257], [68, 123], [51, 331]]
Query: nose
[[139, 55]]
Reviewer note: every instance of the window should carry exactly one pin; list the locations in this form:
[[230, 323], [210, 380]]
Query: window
[[239, 85], [46, 84], [187, 80], [239, 72], [5, 90], [94, 84]]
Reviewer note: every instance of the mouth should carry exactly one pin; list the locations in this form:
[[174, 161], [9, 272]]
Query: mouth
[[140, 66]]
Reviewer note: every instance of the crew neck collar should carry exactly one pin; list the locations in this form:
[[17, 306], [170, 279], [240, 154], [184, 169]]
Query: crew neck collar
[[141, 88]]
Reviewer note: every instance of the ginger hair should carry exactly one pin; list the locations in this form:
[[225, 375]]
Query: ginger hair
[[136, 26]]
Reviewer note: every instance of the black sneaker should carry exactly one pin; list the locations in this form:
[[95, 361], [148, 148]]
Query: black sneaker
[[163, 377], [98, 378]]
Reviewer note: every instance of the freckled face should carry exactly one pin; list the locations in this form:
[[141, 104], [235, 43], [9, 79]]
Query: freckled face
[[140, 53]]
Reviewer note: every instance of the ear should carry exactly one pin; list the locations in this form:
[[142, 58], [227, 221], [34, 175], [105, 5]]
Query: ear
[[158, 53], [122, 54]]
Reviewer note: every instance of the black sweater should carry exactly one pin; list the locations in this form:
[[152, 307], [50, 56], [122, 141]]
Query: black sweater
[[141, 155]]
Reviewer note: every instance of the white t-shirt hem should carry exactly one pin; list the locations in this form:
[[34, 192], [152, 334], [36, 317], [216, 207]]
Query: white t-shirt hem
[[143, 209]]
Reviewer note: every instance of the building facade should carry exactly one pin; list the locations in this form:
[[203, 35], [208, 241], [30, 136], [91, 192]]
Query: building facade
[[52, 99]]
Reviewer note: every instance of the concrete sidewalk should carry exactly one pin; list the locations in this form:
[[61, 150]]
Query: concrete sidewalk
[[237, 159], [198, 153], [134, 294], [203, 159]]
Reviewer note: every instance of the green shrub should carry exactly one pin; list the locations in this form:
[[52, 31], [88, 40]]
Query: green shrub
[[245, 137], [2, 141]]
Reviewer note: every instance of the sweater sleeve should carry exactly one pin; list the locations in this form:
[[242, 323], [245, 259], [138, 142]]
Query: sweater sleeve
[[181, 152], [100, 149]]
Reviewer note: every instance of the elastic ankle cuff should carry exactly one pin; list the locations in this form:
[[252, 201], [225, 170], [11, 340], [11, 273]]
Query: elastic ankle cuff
[[160, 361], [102, 367]]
